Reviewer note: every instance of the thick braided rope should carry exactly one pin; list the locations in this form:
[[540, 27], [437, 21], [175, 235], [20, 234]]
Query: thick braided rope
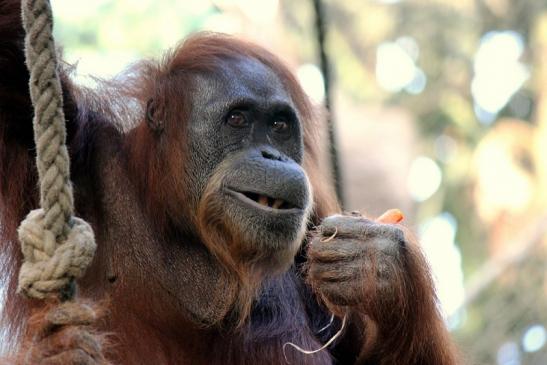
[[56, 246]]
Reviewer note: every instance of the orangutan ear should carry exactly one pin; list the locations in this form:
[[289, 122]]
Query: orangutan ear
[[154, 119]]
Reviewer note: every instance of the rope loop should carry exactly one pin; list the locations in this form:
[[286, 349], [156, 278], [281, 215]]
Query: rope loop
[[49, 266]]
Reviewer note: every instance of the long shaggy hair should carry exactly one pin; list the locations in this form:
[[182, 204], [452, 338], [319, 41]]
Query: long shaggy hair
[[171, 80]]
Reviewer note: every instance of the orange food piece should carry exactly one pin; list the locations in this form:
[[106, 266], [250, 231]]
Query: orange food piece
[[391, 216]]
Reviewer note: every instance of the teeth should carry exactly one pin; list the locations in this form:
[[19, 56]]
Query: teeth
[[277, 203], [268, 202], [263, 200]]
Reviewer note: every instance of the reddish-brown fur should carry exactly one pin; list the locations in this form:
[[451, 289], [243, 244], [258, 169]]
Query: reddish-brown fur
[[50, 343], [147, 178], [404, 326], [172, 80]]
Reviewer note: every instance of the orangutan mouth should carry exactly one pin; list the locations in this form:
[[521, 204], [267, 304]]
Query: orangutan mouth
[[263, 201]]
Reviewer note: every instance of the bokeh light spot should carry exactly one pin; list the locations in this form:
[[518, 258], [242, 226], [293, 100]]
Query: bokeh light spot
[[437, 237], [312, 81], [508, 354], [498, 72], [418, 83], [534, 338], [395, 68], [424, 178]]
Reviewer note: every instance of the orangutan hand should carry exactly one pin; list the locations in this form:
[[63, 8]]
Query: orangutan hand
[[61, 335], [353, 260]]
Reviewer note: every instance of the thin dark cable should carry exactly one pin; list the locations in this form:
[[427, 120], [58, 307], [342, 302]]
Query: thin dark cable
[[320, 29]]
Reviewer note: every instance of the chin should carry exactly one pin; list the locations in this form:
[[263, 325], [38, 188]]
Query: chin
[[267, 236]]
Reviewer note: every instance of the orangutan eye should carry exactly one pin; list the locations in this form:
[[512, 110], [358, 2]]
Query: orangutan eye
[[280, 126], [237, 119]]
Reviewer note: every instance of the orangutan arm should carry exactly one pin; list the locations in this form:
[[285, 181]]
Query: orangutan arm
[[376, 275]]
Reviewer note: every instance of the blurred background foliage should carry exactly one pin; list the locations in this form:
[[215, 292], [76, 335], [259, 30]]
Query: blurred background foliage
[[440, 109]]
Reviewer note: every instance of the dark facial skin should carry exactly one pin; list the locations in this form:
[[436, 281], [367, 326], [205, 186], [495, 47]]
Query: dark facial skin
[[247, 147]]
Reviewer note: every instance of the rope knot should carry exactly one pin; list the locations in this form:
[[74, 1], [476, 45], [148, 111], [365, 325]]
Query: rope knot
[[50, 265]]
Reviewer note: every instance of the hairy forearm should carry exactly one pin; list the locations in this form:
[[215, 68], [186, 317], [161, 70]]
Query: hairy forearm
[[375, 275], [402, 323]]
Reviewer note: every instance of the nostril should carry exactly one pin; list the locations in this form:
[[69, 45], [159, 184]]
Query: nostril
[[270, 155]]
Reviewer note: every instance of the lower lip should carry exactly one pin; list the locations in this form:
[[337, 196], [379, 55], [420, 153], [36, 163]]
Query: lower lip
[[244, 199]]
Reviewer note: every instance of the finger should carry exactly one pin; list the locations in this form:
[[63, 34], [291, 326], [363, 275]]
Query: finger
[[75, 356], [70, 313], [348, 226], [336, 250], [67, 339], [388, 239], [366, 230], [346, 293], [335, 272], [344, 225]]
